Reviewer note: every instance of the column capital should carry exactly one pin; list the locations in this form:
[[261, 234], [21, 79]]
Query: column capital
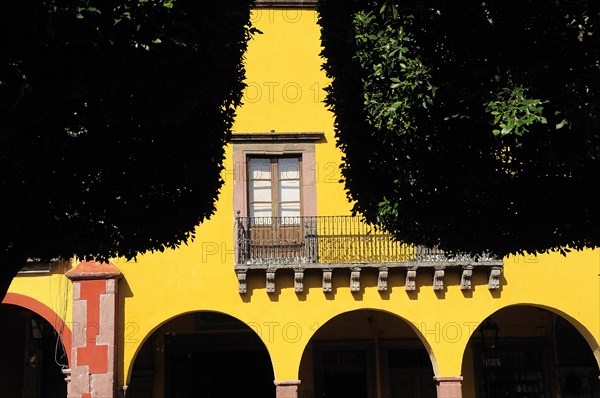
[[287, 388], [287, 382], [448, 386], [447, 378], [87, 270]]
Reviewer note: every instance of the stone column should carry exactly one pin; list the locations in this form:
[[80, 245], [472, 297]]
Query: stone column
[[94, 345], [287, 388], [448, 386]]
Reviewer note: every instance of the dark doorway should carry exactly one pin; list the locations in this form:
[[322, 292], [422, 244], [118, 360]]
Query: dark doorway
[[534, 353], [217, 366], [411, 374], [366, 354], [33, 356], [206, 355], [345, 374]]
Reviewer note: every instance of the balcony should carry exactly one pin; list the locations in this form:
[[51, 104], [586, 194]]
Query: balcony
[[326, 243]]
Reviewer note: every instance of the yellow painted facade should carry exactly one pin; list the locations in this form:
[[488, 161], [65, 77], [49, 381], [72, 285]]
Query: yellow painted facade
[[285, 94]]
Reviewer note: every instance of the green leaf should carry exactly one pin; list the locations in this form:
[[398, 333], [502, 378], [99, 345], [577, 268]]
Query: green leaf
[[507, 129], [562, 124]]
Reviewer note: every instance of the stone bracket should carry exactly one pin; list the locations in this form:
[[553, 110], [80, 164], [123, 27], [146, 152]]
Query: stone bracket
[[465, 279], [382, 278], [438, 279], [355, 279], [494, 281], [271, 281], [411, 280], [241, 276], [298, 280], [327, 275]]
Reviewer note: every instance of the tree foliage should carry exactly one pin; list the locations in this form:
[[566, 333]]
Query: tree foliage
[[113, 120], [473, 126]]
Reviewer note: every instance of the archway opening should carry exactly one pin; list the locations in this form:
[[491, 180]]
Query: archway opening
[[528, 351], [33, 356], [366, 354], [202, 355]]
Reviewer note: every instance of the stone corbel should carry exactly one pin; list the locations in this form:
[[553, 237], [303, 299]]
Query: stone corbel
[[298, 280], [327, 274], [494, 281], [382, 279], [411, 280], [355, 279], [465, 279], [241, 277], [438, 279], [270, 281]]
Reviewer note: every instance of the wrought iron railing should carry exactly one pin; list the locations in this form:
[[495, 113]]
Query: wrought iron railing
[[323, 240]]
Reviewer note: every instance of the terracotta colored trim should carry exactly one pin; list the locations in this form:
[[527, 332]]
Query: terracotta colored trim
[[87, 270], [285, 4], [276, 137], [45, 312]]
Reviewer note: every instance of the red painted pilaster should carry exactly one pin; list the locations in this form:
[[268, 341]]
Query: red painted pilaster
[[449, 386], [94, 345], [287, 388]]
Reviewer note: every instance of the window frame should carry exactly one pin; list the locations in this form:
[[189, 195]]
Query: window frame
[[275, 181], [301, 145]]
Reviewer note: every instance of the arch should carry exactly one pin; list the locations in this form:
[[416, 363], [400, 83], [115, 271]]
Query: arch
[[583, 330], [529, 328], [412, 325], [45, 312], [379, 350], [155, 328]]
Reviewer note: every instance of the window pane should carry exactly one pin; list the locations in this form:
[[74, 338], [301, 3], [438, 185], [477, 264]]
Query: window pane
[[289, 191], [290, 209], [260, 210], [260, 169], [289, 168], [260, 191]]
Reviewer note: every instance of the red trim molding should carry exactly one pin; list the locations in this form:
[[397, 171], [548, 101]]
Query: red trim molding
[[45, 312]]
